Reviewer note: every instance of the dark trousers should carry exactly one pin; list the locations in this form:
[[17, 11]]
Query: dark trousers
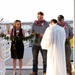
[[68, 62], [35, 52]]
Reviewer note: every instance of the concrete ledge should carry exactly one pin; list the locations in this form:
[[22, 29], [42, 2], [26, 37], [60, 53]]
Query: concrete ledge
[[24, 67]]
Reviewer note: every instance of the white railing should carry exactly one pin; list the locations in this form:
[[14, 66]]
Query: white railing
[[4, 54]]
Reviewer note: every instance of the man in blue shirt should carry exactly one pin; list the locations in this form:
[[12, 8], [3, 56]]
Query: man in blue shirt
[[38, 28]]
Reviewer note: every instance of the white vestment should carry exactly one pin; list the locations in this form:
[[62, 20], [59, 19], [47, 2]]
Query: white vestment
[[54, 41]]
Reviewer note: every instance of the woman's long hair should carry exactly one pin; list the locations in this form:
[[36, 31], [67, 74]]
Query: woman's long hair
[[14, 27], [14, 24]]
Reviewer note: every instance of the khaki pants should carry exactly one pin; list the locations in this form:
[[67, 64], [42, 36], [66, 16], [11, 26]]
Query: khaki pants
[[68, 62]]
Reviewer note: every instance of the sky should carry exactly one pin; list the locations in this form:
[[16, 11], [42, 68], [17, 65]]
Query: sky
[[26, 10]]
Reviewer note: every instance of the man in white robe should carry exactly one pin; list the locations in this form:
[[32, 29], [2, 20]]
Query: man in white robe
[[54, 41]]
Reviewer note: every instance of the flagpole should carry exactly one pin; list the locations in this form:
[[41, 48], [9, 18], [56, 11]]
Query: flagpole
[[74, 36]]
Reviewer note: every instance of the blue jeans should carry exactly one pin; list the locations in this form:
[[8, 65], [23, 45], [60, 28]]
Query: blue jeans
[[35, 52]]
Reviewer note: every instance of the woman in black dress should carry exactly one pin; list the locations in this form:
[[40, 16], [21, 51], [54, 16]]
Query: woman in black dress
[[17, 48]]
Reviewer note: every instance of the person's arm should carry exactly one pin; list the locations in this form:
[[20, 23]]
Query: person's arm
[[69, 37], [11, 33], [47, 39], [32, 30], [41, 35], [70, 33], [23, 32]]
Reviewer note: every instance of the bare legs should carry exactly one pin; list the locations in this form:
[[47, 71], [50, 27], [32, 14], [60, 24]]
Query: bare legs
[[20, 66], [14, 66]]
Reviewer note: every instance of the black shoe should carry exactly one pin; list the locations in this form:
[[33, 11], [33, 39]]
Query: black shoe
[[33, 73]]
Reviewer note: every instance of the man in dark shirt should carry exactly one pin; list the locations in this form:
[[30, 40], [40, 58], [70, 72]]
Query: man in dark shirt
[[38, 29], [69, 35]]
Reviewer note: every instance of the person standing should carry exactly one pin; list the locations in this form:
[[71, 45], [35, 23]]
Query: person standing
[[38, 29], [69, 35], [54, 41], [17, 48]]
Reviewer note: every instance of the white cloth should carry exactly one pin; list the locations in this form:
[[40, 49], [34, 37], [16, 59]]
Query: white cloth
[[54, 41], [2, 62], [2, 30], [2, 65]]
